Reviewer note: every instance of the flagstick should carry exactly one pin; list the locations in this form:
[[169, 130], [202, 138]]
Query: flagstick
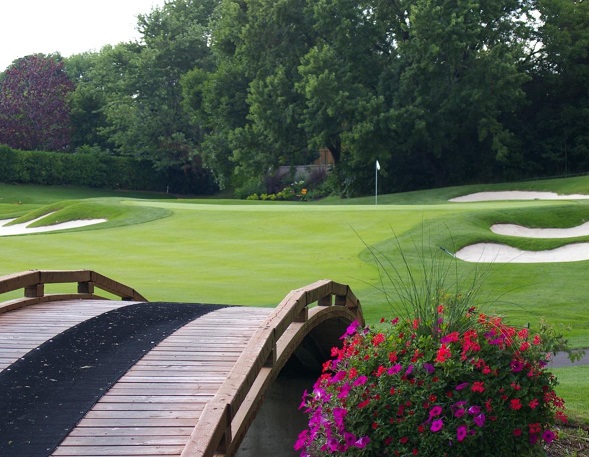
[[376, 183]]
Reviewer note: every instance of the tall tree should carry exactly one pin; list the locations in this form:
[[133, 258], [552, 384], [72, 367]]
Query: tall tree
[[34, 110], [554, 124], [252, 108]]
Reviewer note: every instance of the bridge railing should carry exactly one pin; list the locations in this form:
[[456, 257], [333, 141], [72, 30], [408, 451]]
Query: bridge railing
[[226, 418], [33, 283]]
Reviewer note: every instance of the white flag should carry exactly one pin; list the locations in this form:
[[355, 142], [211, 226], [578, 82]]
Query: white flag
[[377, 165]]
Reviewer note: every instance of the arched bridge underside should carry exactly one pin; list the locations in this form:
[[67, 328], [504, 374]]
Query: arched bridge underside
[[163, 378]]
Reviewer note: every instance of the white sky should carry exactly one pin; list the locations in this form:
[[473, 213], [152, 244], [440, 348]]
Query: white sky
[[66, 26]]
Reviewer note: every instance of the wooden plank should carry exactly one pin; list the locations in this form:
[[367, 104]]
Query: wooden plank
[[143, 399], [162, 406], [129, 431], [96, 451], [146, 440], [16, 281], [167, 415], [64, 276], [136, 422]]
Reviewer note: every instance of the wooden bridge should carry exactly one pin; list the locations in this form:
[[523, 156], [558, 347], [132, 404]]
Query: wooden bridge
[[197, 392]]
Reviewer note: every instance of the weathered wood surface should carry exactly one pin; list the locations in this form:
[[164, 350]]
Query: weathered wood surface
[[33, 284], [154, 408], [196, 393], [24, 329]]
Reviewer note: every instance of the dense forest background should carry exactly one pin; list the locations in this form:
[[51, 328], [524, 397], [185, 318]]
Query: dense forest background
[[440, 92]]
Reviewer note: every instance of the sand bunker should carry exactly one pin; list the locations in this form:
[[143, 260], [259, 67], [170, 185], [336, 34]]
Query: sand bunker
[[500, 253], [20, 229], [516, 195], [526, 232]]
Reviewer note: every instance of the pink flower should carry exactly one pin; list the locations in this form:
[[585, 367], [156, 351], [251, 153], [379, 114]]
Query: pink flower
[[479, 420], [339, 414], [429, 368], [437, 425], [344, 391], [516, 366], [548, 436], [352, 328], [362, 442], [435, 411], [360, 381], [474, 410], [450, 337], [461, 433], [395, 369], [302, 440], [461, 386]]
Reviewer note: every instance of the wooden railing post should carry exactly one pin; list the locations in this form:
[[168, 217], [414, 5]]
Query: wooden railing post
[[35, 290], [86, 287]]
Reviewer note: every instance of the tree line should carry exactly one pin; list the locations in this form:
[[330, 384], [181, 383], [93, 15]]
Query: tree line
[[440, 92]]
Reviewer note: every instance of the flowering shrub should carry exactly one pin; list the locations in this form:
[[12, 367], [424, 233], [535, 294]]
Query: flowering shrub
[[454, 386]]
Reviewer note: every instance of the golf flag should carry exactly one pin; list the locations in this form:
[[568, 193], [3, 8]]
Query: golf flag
[[377, 165]]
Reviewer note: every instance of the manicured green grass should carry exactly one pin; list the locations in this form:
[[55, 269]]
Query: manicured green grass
[[254, 253], [573, 389]]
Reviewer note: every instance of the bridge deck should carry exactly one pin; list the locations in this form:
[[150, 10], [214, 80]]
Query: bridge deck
[[154, 407], [26, 328], [196, 392]]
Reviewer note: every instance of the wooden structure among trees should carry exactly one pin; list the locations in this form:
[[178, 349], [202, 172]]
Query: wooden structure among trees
[[198, 391]]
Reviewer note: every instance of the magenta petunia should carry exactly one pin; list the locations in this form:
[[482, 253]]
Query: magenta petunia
[[360, 380], [395, 369], [474, 410], [435, 411], [429, 368], [479, 420], [352, 328], [437, 425], [362, 442], [461, 433], [548, 436]]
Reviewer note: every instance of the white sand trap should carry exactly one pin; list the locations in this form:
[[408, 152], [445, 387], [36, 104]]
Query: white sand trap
[[21, 229], [516, 195], [526, 232], [500, 253]]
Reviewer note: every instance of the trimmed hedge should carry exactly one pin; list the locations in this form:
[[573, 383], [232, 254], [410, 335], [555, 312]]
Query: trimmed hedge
[[99, 170]]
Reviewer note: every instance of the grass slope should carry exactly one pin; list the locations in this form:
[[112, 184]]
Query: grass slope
[[253, 253]]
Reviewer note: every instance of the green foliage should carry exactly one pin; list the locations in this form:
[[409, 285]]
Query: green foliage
[[92, 170]]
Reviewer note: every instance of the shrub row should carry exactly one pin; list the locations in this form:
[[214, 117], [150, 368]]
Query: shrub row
[[100, 170]]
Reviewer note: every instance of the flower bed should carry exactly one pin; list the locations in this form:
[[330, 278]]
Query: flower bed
[[457, 384]]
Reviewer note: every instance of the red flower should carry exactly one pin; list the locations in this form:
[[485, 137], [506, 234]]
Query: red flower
[[534, 403], [515, 404], [443, 353], [478, 386], [378, 339], [363, 404]]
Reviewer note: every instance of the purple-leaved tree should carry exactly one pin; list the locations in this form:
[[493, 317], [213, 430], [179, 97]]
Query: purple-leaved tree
[[34, 109]]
